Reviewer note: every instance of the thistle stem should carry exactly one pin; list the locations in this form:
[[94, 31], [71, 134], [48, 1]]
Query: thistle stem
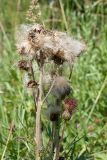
[[33, 89], [38, 132]]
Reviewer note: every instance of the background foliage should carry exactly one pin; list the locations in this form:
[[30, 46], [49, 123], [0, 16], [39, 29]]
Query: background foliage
[[86, 136]]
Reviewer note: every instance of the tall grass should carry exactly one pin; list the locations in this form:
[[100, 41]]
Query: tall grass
[[85, 136]]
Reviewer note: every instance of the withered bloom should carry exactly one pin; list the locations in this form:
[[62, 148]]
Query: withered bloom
[[55, 45], [32, 84], [61, 88], [22, 43], [23, 65], [58, 47]]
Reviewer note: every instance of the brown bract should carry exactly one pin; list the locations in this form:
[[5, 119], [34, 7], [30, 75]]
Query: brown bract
[[32, 84]]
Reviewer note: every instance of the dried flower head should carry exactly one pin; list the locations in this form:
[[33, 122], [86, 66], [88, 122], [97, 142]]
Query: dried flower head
[[55, 45], [57, 60], [58, 45], [23, 65], [23, 45], [61, 87], [32, 84]]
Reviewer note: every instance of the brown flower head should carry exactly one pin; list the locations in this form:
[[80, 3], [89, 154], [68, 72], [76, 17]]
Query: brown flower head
[[23, 65], [32, 84]]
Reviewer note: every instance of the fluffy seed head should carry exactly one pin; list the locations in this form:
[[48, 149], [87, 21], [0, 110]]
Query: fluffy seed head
[[55, 45], [61, 87]]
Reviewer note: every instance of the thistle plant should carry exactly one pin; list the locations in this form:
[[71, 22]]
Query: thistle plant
[[44, 53]]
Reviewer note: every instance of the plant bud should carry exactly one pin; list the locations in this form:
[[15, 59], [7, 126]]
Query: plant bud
[[66, 115]]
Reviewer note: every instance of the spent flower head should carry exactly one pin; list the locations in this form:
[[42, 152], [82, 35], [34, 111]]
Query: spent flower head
[[32, 84], [55, 45], [23, 65]]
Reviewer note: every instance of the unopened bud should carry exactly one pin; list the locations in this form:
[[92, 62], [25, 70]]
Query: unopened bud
[[66, 115]]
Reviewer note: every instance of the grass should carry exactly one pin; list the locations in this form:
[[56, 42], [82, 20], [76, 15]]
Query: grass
[[85, 137]]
